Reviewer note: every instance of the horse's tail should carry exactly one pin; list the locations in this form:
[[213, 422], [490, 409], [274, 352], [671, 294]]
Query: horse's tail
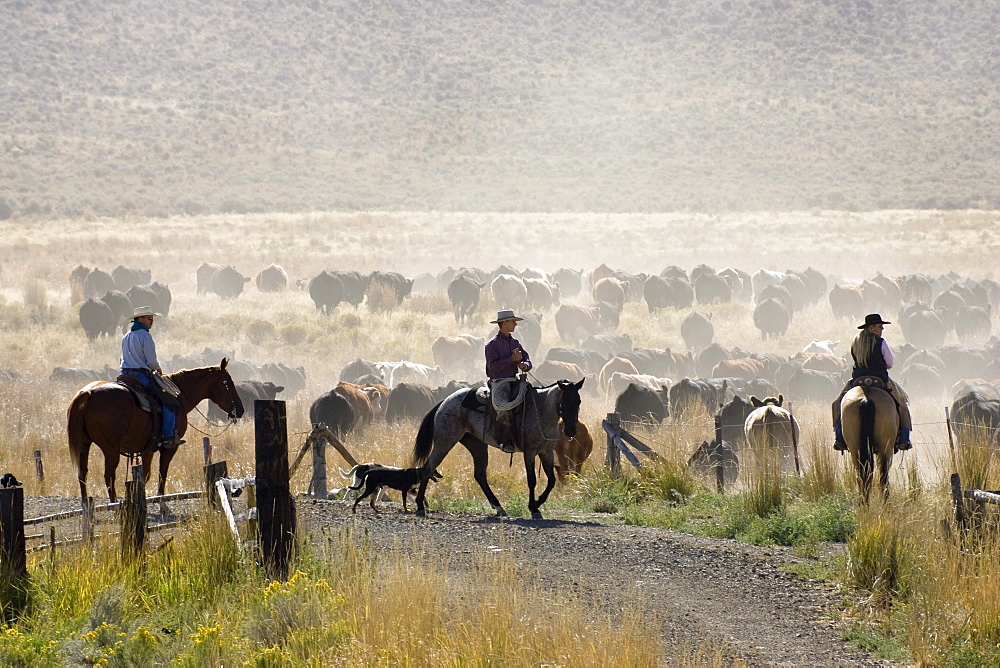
[[425, 438], [866, 444], [76, 428]]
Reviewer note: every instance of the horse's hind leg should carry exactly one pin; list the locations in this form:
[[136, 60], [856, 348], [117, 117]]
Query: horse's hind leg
[[110, 467], [480, 459]]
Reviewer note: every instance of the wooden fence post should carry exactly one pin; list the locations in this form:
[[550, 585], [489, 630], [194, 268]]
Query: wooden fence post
[[214, 472], [13, 558], [206, 450], [87, 520], [613, 458], [275, 506], [317, 486], [134, 515], [39, 469]]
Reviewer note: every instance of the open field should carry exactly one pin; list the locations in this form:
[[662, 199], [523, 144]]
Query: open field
[[39, 330]]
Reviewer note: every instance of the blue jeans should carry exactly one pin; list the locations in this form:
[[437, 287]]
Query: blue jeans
[[169, 417]]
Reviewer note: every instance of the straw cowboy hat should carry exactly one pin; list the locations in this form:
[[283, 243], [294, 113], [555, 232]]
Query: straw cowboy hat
[[873, 319], [144, 310], [506, 314]]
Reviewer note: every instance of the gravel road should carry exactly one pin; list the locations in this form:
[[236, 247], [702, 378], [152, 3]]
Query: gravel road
[[735, 594]]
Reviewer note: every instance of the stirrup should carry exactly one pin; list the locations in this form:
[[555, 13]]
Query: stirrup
[[840, 446]]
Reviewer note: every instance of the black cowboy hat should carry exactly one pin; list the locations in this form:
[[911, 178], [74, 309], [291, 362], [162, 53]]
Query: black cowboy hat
[[873, 319]]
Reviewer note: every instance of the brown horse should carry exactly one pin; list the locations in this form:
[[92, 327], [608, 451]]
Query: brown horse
[[870, 423], [107, 414]]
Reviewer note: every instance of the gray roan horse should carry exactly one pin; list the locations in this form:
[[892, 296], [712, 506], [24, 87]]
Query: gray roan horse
[[449, 423]]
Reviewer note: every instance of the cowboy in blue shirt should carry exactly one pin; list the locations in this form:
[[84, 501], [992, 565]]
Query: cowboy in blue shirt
[[139, 360]]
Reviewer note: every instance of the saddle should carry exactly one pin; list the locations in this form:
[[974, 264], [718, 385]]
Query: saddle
[[477, 399], [869, 381], [132, 384]]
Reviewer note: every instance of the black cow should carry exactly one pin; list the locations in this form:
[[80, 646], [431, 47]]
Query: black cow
[[590, 361], [689, 392], [813, 385], [272, 279], [464, 293], [125, 277], [334, 411], [608, 344], [667, 292], [922, 326], [642, 404], [293, 380], [711, 289], [359, 368], [204, 274], [972, 324], [697, 330], [354, 285], [383, 284], [570, 282], [97, 282], [976, 417], [575, 323], [121, 306], [228, 283], [732, 415], [409, 400], [81, 375], [771, 318], [97, 319], [706, 360], [248, 391], [326, 291]]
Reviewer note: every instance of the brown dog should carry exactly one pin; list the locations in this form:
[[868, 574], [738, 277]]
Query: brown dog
[[376, 476]]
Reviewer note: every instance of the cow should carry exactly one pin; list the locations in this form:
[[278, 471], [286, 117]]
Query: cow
[[778, 292], [697, 330], [614, 365], [358, 368], [922, 380], [272, 278], [228, 283], [97, 319], [827, 346], [667, 292], [976, 417], [763, 278], [711, 289], [771, 318], [406, 371], [612, 291], [458, 353], [571, 453], [796, 287], [354, 285], [125, 277], [661, 362], [576, 323], [922, 326], [551, 371], [155, 295], [972, 324], [204, 274], [847, 302], [541, 294], [360, 400], [326, 291], [745, 368], [570, 281], [771, 431], [638, 403], [811, 385], [409, 401], [688, 393], [248, 391], [81, 375], [509, 291], [713, 457], [529, 331], [76, 278], [97, 282], [464, 293], [731, 417], [333, 410], [739, 283], [917, 288], [708, 358], [619, 381], [610, 316], [121, 306], [387, 290], [293, 380], [590, 361], [608, 344], [892, 291], [820, 362], [597, 273]]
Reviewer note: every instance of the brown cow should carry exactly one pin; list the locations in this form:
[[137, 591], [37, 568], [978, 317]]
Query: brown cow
[[612, 291], [571, 453], [745, 368], [550, 371], [614, 365], [822, 362], [378, 395], [458, 353], [847, 301], [359, 400]]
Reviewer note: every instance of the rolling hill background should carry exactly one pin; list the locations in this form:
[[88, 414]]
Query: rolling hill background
[[158, 108]]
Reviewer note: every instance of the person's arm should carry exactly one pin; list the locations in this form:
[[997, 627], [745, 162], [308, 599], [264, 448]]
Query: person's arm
[[494, 357], [525, 364], [149, 352], [887, 355]]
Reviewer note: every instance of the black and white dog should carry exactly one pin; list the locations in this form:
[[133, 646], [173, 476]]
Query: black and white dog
[[376, 476]]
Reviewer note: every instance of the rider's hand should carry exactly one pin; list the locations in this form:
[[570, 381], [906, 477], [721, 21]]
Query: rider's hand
[[516, 356]]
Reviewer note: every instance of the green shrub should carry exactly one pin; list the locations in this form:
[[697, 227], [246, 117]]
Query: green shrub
[[259, 331]]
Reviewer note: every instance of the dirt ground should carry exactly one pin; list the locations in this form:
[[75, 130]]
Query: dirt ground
[[735, 596]]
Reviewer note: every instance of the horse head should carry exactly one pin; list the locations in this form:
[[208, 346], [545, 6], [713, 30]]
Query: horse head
[[223, 393], [569, 405]]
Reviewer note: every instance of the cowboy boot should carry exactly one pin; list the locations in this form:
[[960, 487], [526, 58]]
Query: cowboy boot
[[503, 431], [172, 442], [903, 439], [838, 437]]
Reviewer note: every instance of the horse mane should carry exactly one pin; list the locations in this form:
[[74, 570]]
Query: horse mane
[[185, 372]]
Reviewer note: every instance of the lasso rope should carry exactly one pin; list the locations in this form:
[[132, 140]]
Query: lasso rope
[[501, 387]]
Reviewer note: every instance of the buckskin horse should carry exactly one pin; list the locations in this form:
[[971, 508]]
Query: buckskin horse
[[107, 414], [870, 422], [450, 422]]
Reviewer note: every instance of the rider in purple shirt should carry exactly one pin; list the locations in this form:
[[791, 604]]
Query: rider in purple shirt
[[504, 358]]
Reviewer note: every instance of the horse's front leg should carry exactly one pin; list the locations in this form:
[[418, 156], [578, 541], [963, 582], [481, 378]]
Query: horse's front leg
[[480, 459], [548, 465], [529, 471], [166, 456]]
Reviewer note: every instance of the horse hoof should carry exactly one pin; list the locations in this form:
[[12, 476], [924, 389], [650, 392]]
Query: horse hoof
[[536, 516], [421, 513], [501, 512]]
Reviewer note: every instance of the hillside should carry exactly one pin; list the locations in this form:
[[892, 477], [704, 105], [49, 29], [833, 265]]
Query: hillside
[[157, 108]]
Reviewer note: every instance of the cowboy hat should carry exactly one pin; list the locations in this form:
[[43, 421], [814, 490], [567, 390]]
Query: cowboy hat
[[144, 310], [873, 319], [506, 314]]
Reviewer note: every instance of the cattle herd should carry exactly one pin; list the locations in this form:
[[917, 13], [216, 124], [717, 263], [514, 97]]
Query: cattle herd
[[586, 308]]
